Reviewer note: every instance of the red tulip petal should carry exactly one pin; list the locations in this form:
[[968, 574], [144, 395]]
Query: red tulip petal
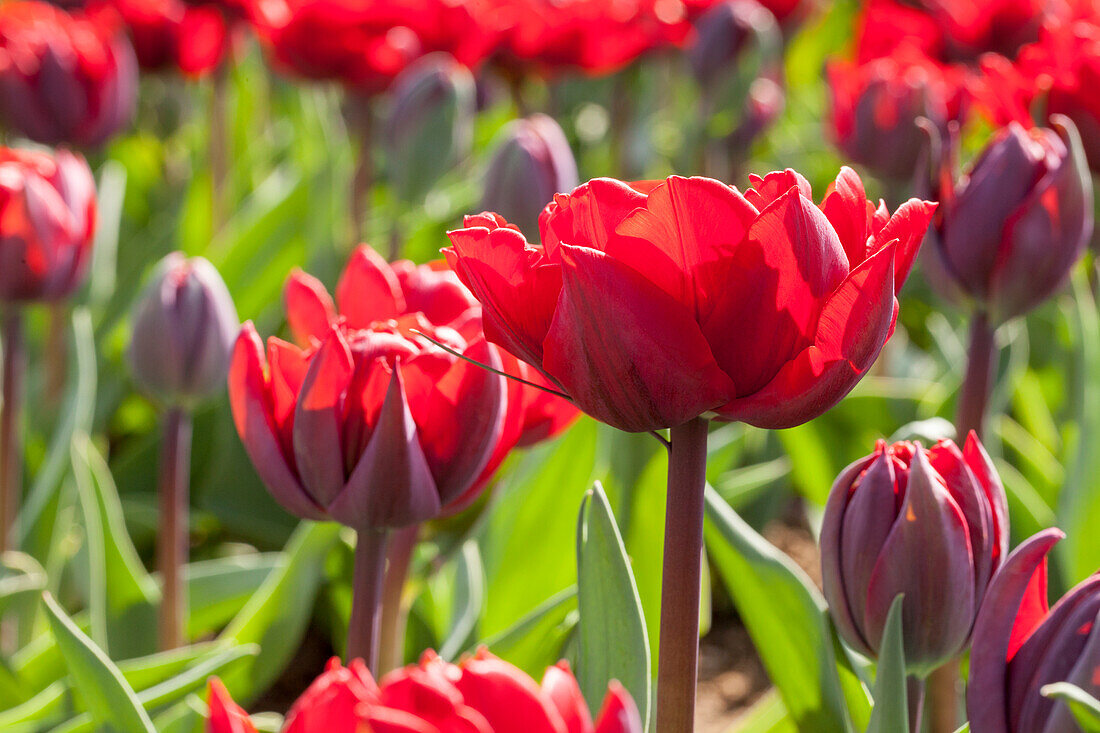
[[1084, 674], [685, 238], [331, 703], [309, 308], [318, 418], [545, 414], [435, 292], [250, 402], [368, 290], [511, 426], [908, 226], [1014, 604], [559, 684], [857, 319], [589, 215], [845, 206], [982, 466], [769, 188], [517, 286], [510, 700], [288, 365], [939, 590], [392, 485], [618, 714], [225, 716], [625, 351], [387, 720]]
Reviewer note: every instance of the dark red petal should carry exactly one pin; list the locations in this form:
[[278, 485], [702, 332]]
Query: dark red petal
[[908, 226], [518, 288], [981, 465], [1014, 605], [589, 215], [391, 485], [309, 308], [318, 418], [857, 319], [845, 205], [545, 414], [625, 351], [684, 239], [368, 290], [250, 402]]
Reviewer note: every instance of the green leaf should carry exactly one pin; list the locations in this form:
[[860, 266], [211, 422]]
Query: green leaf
[[611, 634], [767, 715], [21, 578], [786, 617], [218, 589], [47, 707], [276, 616], [536, 640], [891, 711], [1085, 707], [469, 598], [110, 699]]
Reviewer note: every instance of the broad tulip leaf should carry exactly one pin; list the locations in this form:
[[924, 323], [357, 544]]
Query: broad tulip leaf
[[110, 194], [1085, 707], [469, 599], [536, 640], [767, 715], [787, 619], [276, 616], [611, 633], [891, 711], [218, 589], [39, 712], [110, 699]]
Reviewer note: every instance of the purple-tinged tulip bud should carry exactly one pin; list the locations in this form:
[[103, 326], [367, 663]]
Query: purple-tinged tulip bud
[[724, 36], [1008, 233], [185, 324], [47, 219], [532, 163], [64, 78], [430, 124], [1021, 645], [932, 524]]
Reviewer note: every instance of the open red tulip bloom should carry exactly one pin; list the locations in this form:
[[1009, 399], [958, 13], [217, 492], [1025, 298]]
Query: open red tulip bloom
[[481, 694], [653, 303]]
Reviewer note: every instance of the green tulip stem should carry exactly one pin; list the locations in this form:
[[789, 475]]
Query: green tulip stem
[[677, 666], [11, 443], [394, 610], [57, 353], [173, 536], [366, 597], [914, 687], [976, 385]]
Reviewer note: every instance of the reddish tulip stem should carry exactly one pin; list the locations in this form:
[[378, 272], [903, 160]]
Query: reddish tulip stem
[[914, 687], [173, 537], [363, 180], [11, 444], [394, 612], [681, 578], [974, 393], [366, 597]]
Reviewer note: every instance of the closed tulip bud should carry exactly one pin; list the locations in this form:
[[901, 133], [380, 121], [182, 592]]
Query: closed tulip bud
[[47, 219], [64, 78], [724, 35], [930, 524], [532, 163], [1008, 233], [1021, 645], [430, 124], [184, 327], [875, 107]]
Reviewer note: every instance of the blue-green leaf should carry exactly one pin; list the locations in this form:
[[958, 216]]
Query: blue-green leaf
[[1085, 707], [891, 711]]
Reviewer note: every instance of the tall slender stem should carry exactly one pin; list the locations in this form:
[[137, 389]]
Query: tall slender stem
[[914, 687], [943, 698], [681, 578], [11, 443], [974, 393], [394, 612], [366, 597], [219, 146], [363, 179], [173, 539]]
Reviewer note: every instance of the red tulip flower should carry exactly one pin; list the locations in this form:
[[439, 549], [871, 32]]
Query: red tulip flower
[[64, 78], [654, 303], [1021, 644], [47, 219], [481, 694]]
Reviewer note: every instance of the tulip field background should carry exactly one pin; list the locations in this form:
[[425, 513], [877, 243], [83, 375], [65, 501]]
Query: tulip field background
[[269, 595]]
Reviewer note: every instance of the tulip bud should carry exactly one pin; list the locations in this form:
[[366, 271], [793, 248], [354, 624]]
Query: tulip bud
[[1021, 645], [533, 163], [875, 106], [430, 125], [47, 218], [64, 78], [184, 328], [931, 524], [724, 35], [1008, 233]]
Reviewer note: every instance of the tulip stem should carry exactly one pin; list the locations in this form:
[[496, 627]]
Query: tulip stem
[[11, 448], [173, 538], [366, 597], [219, 146], [914, 687], [681, 577], [363, 178], [394, 612], [943, 698], [976, 385]]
